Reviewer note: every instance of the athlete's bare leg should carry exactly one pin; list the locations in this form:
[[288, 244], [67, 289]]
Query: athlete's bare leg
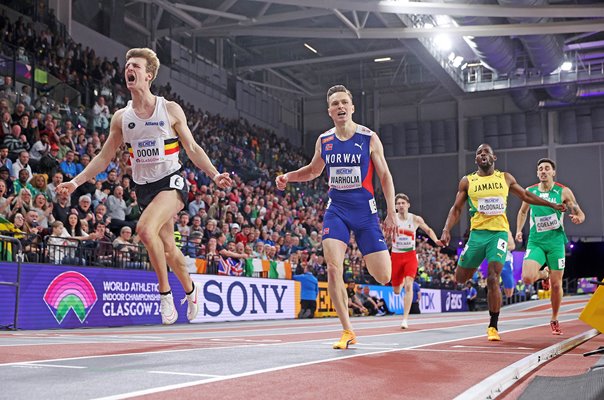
[[557, 291], [158, 213], [379, 266], [335, 251], [494, 296], [408, 296], [174, 257], [531, 273]]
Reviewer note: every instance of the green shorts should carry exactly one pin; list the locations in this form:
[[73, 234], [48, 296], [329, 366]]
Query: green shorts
[[552, 253], [492, 245]]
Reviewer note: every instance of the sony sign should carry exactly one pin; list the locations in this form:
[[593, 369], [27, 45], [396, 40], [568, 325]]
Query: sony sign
[[227, 298]]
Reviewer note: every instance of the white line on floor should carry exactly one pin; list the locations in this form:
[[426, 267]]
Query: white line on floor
[[35, 365], [184, 374]]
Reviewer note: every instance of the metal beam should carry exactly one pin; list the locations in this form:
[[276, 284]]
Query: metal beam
[[549, 28], [268, 85], [136, 26], [472, 10], [222, 7], [180, 14], [291, 82], [319, 60], [267, 19], [346, 22], [208, 11]]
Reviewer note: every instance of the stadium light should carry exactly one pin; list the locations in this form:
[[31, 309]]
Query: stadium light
[[309, 47]]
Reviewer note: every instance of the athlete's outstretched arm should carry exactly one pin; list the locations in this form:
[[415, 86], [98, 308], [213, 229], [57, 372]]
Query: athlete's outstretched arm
[[383, 173], [521, 219], [529, 197], [424, 227], [576, 214], [193, 150], [100, 162], [455, 211], [307, 172]]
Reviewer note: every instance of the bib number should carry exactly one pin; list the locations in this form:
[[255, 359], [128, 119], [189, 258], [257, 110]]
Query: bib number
[[148, 151], [547, 223], [491, 206], [177, 182], [345, 178]]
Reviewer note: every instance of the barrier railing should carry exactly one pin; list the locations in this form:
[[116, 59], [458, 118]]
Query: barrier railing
[[19, 258]]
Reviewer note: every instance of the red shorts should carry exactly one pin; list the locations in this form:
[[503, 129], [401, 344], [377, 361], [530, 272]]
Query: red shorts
[[403, 264]]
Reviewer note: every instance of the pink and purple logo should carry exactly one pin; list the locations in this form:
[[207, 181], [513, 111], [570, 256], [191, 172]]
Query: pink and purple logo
[[70, 291]]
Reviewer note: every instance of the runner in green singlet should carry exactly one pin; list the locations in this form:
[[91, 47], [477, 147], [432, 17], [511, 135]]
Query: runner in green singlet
[[547, 238]]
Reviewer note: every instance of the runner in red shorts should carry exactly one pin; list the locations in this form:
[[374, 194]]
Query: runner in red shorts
[[404, 259]]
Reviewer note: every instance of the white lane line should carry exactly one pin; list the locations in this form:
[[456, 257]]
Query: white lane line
[[490, 347], [184, 374], [498, 382], [34, 365], [398, 332], [283, 367]]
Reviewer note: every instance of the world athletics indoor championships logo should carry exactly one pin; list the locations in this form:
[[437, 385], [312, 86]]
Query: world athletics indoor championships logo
[[70, 291]]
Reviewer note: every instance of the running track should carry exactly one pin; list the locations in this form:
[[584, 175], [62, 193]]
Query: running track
[[439, 357]]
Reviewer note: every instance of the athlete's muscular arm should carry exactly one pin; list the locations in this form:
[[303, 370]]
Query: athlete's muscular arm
[[521, 219], [193, 150], [306, 173], [529, 197], [419, 221], [576, 214], [511, 244], [382, 171], [455, 211], [100, 162]]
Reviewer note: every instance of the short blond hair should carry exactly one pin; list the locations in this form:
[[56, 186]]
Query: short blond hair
[[149, 55], [337, 89]]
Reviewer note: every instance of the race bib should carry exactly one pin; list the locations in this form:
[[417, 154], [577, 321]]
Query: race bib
[[148, 151], [372, 206], [491, 206], [547, 223], [404, 242], [177, 182], [345, 178]]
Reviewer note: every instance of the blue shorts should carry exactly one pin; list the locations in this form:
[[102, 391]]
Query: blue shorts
[[338, 222], [507, 275]]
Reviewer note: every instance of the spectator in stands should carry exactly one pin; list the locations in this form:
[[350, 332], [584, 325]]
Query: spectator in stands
[[192, 248], [51, 188], [22, 163], [4, 200], [100, 113], [354, 304], [366, 300], [133, 206], [196, 204], [39, 149], [309, 290], [182, 225], [196, 225], [50, 163], [56, 245], [44, 210], [68, 165], [471, 295], [23, 182], [4, 160], [128, 252]]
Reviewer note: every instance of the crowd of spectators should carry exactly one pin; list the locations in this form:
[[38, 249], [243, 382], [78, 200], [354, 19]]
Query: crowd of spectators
[[41, 145]]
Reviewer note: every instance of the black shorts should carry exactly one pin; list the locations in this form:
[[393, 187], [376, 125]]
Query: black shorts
[[146, 193]]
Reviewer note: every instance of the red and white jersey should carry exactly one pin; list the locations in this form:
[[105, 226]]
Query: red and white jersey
[[405, 235]]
